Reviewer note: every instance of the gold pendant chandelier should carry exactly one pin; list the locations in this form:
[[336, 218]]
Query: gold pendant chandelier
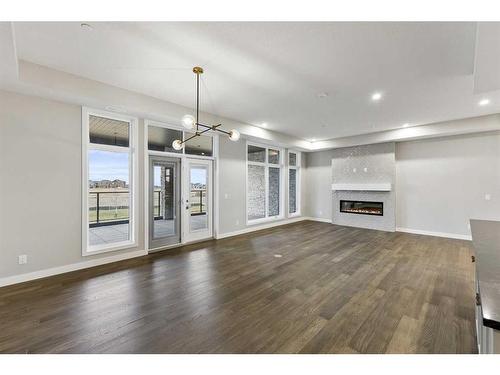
[[191, 123]]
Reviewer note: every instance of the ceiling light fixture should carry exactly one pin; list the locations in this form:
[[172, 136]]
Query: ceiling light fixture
[[484, 102], [322, 95], [376, 96], [190, 122]]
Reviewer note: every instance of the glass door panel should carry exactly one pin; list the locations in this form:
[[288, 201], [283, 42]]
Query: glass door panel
[[198, 193], [164, 193], [198, 178]]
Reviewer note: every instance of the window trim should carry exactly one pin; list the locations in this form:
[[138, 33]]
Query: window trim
[[88, 250], [297, 168], [266, 165]]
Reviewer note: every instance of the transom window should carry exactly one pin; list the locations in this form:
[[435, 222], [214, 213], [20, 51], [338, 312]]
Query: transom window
[[264, 183], [160, 138]]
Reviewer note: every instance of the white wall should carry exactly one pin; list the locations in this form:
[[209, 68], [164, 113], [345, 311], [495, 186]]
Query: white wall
[[441, 183], [318, 179], [41, 185]]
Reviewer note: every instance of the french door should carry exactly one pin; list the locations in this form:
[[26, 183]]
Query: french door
[[197, 200], [164, 201]]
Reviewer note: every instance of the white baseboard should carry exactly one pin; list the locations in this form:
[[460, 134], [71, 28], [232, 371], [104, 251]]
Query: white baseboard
[[436, 234], [320, 219], [69, 268], [260, 227]]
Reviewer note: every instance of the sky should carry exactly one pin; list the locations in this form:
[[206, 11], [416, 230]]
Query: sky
[[106, 165]]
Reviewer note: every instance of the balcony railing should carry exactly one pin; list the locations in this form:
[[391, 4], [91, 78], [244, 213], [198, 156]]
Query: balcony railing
[[198, 201], [108, 207], [112, 207]]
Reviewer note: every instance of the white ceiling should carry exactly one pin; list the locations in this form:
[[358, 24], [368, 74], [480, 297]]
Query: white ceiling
[[273, 72]]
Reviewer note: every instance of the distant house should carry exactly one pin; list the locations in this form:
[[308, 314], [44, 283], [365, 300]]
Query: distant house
[[107, 184], [198, 186]]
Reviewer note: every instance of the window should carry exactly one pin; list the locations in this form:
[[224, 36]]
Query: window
[[293, 183], [109, 193], [202, 145], [160, 138], [264, 183]]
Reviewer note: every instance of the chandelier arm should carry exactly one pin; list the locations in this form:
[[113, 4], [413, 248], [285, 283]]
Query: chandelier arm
[[205, 126], [222, 131], [204, 131], [197, 134], [193, 136], [214, 128]]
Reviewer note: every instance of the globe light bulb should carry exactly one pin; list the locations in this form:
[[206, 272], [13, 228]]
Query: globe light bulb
[[177, 145], [234, 135], [188, 121]]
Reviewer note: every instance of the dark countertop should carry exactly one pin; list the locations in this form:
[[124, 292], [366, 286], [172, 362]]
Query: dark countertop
[[486, 240]]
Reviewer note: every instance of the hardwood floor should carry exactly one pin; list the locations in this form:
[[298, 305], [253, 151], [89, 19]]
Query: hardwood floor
[[334, 290]]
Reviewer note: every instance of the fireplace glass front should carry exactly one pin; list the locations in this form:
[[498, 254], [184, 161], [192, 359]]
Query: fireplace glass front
[[362, 207]]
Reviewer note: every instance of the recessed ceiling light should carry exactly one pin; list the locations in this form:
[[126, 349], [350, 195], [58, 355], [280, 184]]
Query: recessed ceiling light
[[264, 125], [376, 96], [484, 102], [405, 125], [312, 140], [86, 27], [322, 95]]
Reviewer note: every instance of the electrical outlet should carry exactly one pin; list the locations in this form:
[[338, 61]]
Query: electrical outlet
[[23, 259]]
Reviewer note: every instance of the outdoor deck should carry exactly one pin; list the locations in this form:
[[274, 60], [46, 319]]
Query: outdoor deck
[[119, 232]]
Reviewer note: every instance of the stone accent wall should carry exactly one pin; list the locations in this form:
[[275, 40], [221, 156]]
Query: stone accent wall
[[365, 164]]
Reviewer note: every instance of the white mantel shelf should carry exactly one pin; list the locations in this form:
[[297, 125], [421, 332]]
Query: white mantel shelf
[[362, 187]]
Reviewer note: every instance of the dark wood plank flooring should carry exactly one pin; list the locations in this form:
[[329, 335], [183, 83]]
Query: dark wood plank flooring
[[334, 290]]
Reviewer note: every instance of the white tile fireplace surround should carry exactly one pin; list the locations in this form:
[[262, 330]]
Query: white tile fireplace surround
[[364, 174]]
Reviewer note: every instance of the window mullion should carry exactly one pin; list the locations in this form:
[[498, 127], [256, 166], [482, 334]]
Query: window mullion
[[267, 189]]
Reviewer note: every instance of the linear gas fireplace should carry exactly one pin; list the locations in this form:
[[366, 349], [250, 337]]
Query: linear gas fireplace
[[362, 207]]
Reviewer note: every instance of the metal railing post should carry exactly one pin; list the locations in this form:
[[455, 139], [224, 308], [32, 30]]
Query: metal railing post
[[97, 193], [159, 203]]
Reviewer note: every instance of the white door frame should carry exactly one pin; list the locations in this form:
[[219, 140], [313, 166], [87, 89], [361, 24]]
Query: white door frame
[[183, 158], [201, 234]]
